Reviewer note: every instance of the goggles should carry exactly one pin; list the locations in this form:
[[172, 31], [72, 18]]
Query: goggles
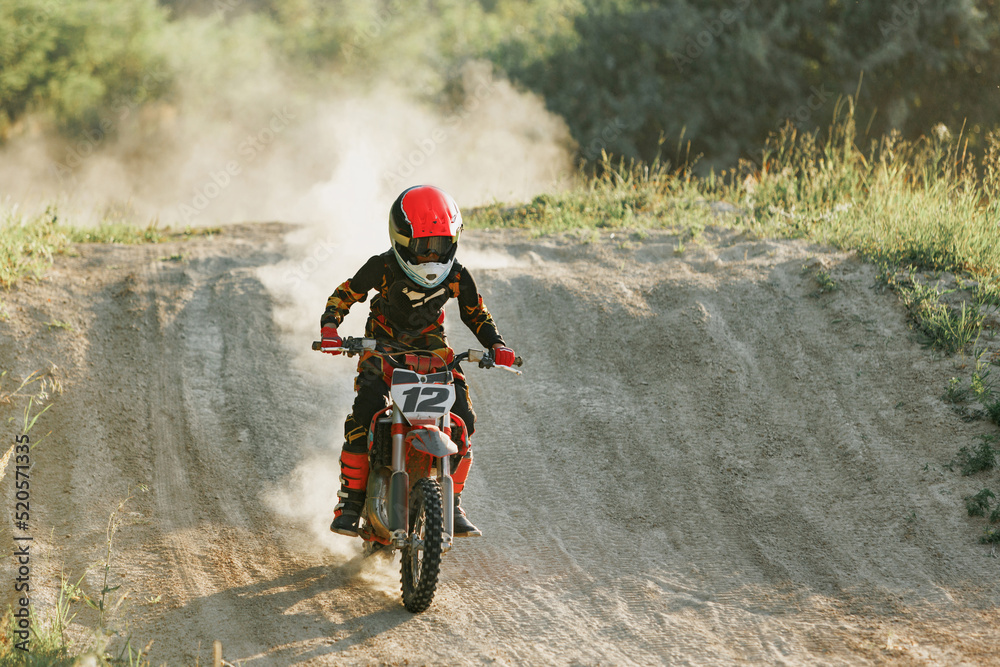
[[439, 245]]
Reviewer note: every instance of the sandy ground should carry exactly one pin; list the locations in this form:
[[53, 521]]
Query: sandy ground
[[705, 463]]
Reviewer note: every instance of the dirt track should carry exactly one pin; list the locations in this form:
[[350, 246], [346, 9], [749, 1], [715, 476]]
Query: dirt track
[[703, 464]]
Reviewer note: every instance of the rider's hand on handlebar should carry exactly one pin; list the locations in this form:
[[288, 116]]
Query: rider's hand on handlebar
[[503, 356], [330, 339]]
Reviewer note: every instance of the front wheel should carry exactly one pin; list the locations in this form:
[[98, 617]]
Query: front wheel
[[422, 556]]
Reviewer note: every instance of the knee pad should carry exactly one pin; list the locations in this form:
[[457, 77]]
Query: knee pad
[[461, 468]]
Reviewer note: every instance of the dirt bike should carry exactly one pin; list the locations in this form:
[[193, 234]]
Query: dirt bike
[[410, 503]]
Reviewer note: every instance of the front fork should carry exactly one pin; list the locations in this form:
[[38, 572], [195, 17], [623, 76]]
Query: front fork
[[399, 487], [447, 501], [399, 483]]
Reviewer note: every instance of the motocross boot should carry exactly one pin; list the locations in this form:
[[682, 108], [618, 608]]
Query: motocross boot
[[353, 480], [464, 527], [347, 513]]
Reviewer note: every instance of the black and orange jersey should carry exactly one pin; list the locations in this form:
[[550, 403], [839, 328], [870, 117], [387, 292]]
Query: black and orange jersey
[[407, 313]]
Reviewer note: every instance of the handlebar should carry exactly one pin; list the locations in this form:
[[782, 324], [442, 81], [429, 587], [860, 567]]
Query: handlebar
[[353, 346]]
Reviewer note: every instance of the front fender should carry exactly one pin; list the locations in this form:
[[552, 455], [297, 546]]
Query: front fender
[[430, 440]]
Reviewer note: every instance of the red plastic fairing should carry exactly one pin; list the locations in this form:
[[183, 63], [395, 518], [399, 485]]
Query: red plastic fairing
[[423, 364], [463, 441], [413, 360]]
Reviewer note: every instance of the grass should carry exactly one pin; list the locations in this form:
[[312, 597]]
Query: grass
[[28, 243], [33, 390], [117, 233], [899, 204], [981, 387], [943, 327], [955, 392], [904, 206], [623, 197], [982, 456], [988, 292], [918, 203], [49, 644]]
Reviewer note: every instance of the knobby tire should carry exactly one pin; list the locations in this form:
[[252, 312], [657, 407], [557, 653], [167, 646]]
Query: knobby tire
[[420, 568]]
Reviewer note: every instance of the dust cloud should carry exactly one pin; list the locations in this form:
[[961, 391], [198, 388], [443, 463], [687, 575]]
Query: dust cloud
[[498, 144], [283, 153], [330, 159]]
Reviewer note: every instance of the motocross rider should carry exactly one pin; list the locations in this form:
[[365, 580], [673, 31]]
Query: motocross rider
[[413, 281]]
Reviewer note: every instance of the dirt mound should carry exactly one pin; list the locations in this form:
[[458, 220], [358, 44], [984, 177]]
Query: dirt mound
[[706, 462]]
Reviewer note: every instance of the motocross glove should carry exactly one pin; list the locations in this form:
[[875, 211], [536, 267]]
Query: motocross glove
[[331, 339], [503, 356]]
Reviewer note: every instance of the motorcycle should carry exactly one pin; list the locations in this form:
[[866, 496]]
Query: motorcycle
[[410, 502]]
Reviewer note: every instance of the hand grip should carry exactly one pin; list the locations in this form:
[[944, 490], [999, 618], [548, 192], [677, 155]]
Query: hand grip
[[317, 345]]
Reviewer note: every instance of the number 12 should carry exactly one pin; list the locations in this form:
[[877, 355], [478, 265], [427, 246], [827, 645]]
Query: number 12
[[434, 397]]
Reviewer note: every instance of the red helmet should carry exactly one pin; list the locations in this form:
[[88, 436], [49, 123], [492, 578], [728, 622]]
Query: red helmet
[[424, 222]]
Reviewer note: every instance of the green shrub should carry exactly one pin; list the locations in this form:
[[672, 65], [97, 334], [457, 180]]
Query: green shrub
[[979, 504], [980, 457], [83, 63], [726, 73]]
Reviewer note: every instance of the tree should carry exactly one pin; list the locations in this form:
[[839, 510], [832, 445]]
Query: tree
[[78, 61], [724, 74]]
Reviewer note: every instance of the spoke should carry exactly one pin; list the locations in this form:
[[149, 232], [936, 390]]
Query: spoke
[[417, 546]]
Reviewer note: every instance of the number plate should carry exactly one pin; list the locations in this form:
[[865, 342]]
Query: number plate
[[422, 396]]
